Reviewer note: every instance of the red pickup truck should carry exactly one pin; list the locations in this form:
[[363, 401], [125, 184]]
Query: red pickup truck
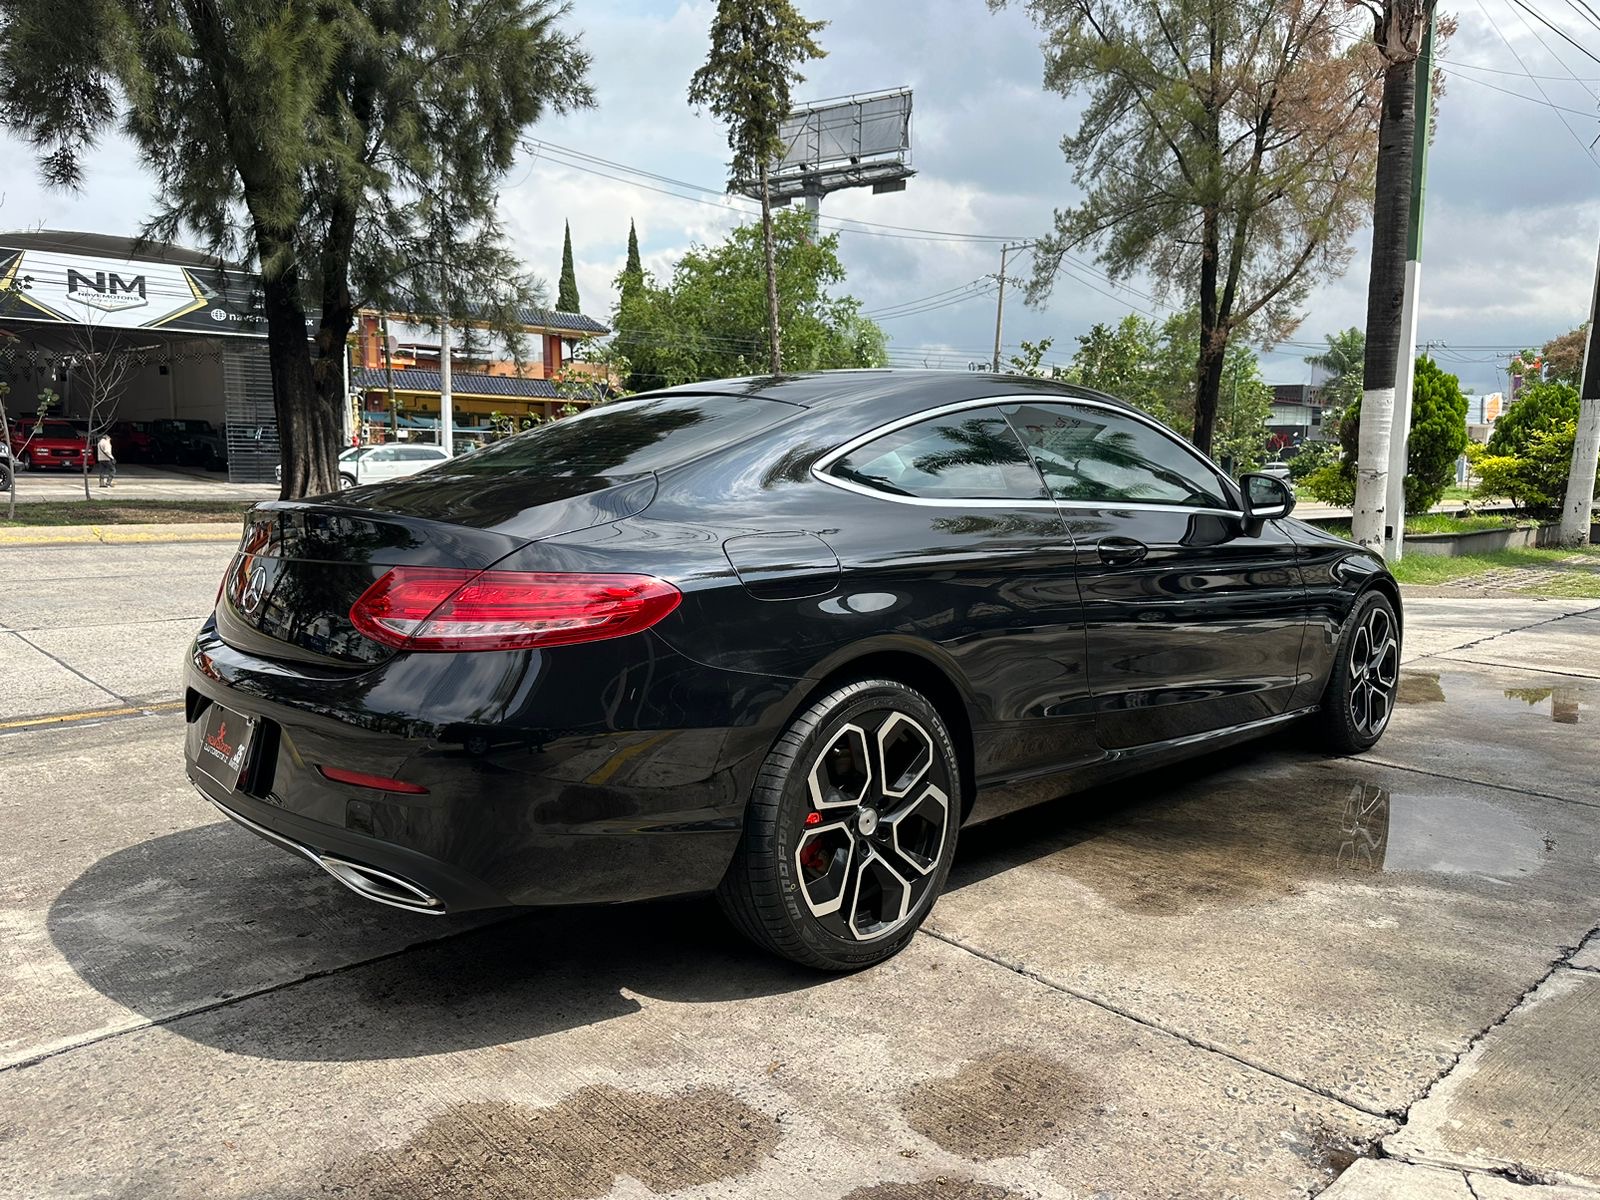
[[55, 444]]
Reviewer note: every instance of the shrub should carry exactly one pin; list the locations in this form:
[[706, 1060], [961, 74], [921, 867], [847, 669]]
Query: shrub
[[1546, 405], [1334, 483], [1438, 437], [1313, 456], [1534, 480]]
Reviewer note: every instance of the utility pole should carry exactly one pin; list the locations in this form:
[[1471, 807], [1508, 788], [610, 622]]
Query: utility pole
[[1005, 250], [1406, 369], [388, 371], [447, 407], [1577, 510]]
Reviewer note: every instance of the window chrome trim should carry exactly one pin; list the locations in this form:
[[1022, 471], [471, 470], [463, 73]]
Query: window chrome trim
[[819, 469]]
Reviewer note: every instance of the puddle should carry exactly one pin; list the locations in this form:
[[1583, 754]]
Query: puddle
[[938, 1188], [1231, 844], [1009, 1103], [1562, 703], [500, 1150]]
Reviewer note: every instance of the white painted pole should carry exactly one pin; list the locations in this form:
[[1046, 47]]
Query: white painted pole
[[1577, 509], [447, 412], [1400, 433]]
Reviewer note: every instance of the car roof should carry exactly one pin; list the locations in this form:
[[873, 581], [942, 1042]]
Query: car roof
[[890, 391]]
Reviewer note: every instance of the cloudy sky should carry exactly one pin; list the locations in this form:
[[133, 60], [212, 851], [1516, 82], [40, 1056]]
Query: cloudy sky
[[1510, 235]]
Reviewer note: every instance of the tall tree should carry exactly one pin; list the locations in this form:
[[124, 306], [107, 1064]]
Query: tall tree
[[634, 269], [709, 320], [1563, 356], [350, 147], [756, 46], [1398, 28], [1225, 149], [567, 290]]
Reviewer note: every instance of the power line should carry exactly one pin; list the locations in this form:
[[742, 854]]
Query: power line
[[1577, 112], [1559, 115], [1557, 30], [1460, 66], [845, 224]]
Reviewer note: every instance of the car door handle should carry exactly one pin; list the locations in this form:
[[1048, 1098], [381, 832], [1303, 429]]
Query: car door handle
[[1121, 552]]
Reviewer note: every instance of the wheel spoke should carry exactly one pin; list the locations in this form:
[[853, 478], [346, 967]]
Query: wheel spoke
[[1360, 710], [916, 830], [880, 899], [905, 755]]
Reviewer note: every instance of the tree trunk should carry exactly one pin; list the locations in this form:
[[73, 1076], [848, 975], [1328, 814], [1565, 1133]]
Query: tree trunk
[[338, 318], [775, 355], [84, 461], [1577, 513], [1391, 216], [1577, 509], [308, 427], [1213, 348]]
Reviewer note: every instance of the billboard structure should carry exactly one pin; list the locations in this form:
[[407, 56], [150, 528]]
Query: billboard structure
[[846, 142]]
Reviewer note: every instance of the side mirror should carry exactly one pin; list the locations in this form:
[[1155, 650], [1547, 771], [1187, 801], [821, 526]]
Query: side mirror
[[1266, 498]]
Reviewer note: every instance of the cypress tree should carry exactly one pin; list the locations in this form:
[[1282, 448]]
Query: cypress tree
[[567, 297], [634, 269]]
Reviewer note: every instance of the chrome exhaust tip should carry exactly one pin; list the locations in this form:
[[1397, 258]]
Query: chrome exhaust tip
[[369, 883], [379, 885]]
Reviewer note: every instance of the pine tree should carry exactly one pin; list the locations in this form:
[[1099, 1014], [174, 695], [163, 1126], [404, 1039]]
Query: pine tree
[[746, 80], [567, 296]]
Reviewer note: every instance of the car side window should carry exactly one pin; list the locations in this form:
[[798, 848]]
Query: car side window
[[1099, 455], [972, 454], [387, 454]]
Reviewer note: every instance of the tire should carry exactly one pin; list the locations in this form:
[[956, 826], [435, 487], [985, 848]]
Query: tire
[[1359, 700], [25, 462], [5, 478], [820, 795], [346, 482]]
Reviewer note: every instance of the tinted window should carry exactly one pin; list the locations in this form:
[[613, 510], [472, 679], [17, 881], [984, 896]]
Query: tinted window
[[968, 455], [1095, 454], [625, 438], [54, 430]]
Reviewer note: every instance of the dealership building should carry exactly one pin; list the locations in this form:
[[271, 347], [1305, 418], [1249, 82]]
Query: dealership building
[[193, 332]]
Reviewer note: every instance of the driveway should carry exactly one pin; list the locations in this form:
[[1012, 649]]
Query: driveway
[[1245, 977]]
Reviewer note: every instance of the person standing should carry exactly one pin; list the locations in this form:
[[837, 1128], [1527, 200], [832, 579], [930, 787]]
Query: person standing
[[108, 461]]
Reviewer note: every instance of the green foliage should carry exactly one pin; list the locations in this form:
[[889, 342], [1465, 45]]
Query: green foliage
[[1437, 438], [1333, 483], [1311, 457], [1345, 360], [709, 320], [567, 292], [1534, 476], [1539, 406], [749, 74], [1031, 361], [1438, 435]]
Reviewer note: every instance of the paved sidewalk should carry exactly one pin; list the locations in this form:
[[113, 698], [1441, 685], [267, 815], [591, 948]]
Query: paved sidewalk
[[140, 481]]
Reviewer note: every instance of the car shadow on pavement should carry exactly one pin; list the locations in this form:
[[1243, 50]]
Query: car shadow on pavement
[[235, 944]]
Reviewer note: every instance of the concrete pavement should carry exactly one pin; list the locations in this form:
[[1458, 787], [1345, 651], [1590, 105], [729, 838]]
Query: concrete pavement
[[141, 481], [1245, 978]]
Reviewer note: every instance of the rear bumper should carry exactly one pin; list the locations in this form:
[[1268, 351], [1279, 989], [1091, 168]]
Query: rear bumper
[[613, 775]]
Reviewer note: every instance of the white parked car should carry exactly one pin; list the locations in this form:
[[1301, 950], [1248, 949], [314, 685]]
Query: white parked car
[[1277, 469], [369, 464], [372, 464]]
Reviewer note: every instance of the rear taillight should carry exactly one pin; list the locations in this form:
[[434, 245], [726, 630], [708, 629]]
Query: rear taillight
[[434, 608]]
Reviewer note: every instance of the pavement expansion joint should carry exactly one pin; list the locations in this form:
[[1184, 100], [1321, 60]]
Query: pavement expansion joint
[[1160, 1027], [182, 1014], [1455, 656], [1389, 765]]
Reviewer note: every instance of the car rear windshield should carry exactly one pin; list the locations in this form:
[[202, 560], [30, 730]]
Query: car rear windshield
[[54, 430], [627, 437]]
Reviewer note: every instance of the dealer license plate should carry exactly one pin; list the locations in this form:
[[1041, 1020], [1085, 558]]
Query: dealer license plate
[[225, 745]]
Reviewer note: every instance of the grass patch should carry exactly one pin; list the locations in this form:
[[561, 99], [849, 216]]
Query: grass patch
[[1447, 523], [1576, 580], [125, 512]]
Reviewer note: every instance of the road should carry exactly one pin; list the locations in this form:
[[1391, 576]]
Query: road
[[1241, 978]]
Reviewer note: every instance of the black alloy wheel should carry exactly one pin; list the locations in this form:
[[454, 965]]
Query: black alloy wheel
[[1366, 673], [850, 831]]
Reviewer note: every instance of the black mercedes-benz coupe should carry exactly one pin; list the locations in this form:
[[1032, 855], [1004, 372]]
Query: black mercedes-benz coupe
[[775, 638]]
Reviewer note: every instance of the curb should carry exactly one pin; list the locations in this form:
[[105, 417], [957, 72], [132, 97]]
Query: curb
[[112, 535]]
